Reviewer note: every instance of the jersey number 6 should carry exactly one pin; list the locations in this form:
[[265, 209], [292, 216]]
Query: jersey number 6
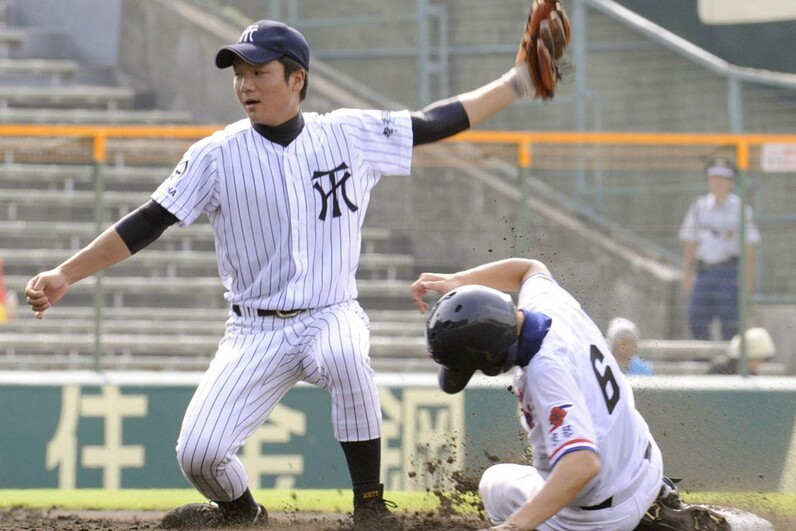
[[606, 379]]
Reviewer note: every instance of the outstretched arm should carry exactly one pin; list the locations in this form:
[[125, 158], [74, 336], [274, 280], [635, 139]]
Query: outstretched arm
[[48, 287], [535, 73], [486, 101], [131, 234], [504, 275], [448, 117]]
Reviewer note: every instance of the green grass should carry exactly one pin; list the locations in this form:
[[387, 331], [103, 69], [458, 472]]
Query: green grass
[[324, 501], [780, 503]]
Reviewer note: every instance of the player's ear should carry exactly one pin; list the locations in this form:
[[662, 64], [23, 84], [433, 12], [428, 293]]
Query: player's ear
[[297, 79]]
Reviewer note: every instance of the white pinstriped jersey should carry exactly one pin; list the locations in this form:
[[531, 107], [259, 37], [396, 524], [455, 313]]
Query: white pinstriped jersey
[[288, 219], [574, 397]]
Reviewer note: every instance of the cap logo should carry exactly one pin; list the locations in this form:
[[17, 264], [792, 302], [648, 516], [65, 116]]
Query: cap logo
[[248, 34]]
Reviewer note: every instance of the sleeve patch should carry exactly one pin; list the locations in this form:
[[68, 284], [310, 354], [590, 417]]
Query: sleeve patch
[[561, 429]]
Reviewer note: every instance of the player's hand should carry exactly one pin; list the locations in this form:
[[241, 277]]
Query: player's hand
[[426, 282], [44, 290], [504, 527]]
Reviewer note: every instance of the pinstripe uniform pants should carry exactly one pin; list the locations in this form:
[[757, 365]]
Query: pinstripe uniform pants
[[258, 361]]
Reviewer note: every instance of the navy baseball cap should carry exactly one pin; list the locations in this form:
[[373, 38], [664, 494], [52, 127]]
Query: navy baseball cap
[[264, 41]]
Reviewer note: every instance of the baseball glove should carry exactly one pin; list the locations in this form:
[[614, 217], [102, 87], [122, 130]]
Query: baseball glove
[[545, 40]]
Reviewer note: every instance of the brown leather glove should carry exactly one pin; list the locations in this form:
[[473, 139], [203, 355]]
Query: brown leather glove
[[545, 40]]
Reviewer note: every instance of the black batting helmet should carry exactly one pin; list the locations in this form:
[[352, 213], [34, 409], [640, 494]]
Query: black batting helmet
[[471, 328]]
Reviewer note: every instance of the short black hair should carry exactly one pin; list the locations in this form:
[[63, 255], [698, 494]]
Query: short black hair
[[291, 65]]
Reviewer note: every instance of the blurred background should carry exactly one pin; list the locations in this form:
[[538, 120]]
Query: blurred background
[[651, 92]]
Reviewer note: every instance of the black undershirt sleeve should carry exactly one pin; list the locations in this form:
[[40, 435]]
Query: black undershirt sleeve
[[439, 120], [144, 225]]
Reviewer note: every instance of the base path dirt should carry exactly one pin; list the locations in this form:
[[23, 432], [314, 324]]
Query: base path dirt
[[59, 520]]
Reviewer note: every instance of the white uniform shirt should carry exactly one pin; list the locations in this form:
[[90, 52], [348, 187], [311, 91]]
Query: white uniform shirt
[[714, 228], [288, 219], [574, 397]]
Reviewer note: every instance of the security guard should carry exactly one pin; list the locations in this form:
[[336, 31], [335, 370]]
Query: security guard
[[710, 234]]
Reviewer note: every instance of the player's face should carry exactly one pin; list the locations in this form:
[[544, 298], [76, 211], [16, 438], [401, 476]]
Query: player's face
[[264, 94]]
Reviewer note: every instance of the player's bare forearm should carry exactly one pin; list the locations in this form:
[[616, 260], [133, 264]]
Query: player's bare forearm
[[572, 473], [487, 101], [504, 275], [47, 288], [106, 250]]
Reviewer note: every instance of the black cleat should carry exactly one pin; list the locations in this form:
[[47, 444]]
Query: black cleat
[[372, 511], [670, 513], [194, 516]]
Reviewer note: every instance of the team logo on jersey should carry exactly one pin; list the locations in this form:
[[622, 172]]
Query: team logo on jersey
[[176, 174], [179, 170], [557, 416], [338, 178]]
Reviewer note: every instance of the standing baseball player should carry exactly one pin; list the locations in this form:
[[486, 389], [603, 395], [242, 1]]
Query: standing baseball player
[[596, 465], [286, 193]]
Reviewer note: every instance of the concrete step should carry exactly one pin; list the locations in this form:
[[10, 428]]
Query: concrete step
[[64, 315], [178, 262], [185, 351], [177, 343], [681, 349], [202, 286], [89, 96], [92, 116], [17, 233], [11, 36], [54, 71]]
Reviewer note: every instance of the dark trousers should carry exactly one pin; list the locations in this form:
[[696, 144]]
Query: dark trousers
[[715, 295]]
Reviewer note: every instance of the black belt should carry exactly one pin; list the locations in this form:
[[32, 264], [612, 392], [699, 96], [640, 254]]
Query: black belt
[[283, 314], [724, 264], [605, 504]]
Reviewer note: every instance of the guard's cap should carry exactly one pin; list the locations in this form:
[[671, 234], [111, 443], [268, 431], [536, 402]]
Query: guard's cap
[[720, 167], [264, 41]]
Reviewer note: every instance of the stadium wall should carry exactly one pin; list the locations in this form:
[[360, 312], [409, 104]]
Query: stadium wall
[[118, 430]]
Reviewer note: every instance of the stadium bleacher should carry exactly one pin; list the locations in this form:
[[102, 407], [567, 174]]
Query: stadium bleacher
[[164, 308]]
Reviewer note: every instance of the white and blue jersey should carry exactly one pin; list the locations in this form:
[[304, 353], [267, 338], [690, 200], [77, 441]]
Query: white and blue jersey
[[574, 397]]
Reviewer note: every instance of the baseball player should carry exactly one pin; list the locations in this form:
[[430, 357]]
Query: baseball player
[[286, 192], [711, 245], [596, 465]]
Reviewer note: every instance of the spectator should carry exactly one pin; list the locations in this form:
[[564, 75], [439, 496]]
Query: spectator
[[623, 337], [711, 248], [759, 348]]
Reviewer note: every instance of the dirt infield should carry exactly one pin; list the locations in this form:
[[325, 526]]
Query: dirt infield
[[58, 520]]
